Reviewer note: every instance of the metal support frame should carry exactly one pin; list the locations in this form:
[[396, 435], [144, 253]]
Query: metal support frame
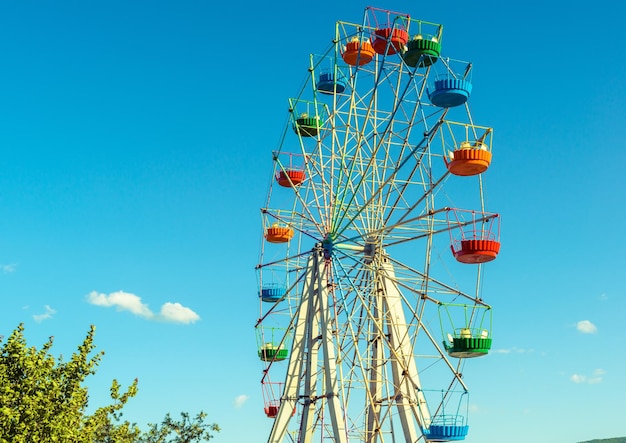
[[312, 375]]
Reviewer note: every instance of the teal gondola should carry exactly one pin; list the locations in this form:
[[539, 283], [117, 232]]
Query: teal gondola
[[272, 293], [328, 84]]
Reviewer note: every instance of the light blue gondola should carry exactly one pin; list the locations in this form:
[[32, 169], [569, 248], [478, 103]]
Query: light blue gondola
[[449, 426], [450, 92], [442, 433]]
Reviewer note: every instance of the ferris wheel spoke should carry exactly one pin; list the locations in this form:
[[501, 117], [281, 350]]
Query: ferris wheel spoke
[[442, 287], [320, 186], [300, 200], [429, 189], [387, 120], [388, 180], [366, 313]]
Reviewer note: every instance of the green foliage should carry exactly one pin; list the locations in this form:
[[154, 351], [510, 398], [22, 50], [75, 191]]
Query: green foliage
[[185, 430], [43, 399]]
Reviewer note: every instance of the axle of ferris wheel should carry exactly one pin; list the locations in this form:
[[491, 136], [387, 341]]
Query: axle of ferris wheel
[[369, 249]]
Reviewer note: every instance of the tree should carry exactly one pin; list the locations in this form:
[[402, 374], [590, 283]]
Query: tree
[[43, 399], [185, 430]]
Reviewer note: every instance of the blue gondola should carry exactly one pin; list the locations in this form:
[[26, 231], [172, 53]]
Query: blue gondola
[[442, 433], [447, 428], [272, 293], [328, 84], [450, 92]]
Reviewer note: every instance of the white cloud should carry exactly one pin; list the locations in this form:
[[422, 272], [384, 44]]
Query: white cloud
[[125, 301], [586, 327], [175, 312], [577, 378], [240, 400], [7, 269], [595, 378], [46, 315]]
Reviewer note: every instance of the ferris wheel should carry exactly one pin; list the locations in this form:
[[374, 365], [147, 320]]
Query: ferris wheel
[[376, 235]]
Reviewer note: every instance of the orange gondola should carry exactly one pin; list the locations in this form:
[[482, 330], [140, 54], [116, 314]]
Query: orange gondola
[[469, 159], [279, 234], [358, 53]]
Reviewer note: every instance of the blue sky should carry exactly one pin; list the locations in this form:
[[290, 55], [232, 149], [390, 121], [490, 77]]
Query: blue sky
[[136, 143]]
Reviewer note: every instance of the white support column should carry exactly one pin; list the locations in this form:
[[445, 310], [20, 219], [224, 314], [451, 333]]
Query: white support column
[[410, 400], [336, 409], [375, 376], [310, 365], [313, 332]]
